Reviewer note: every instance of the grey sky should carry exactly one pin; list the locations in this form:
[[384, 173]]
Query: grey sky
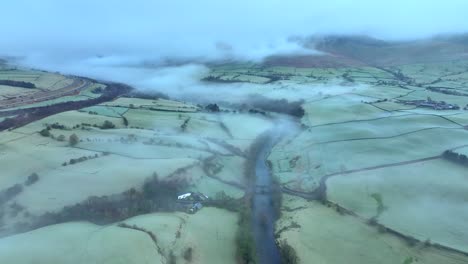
[[129, 31]]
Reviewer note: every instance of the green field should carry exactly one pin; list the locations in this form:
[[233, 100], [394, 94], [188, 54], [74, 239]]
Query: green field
[[387, 193]]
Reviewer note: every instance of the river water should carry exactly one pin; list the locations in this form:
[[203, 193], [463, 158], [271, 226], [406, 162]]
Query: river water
[[263, 211]]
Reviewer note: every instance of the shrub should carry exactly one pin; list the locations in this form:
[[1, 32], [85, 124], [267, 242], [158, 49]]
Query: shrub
[[45, 132], [172, 258], [9, 193], [73, 140], [107, 125], [188, 254], [183, 127], [378, 199], [56, 125], [245, 248], [31, 179], [61, 138], [288, 254], [212, 107], [427, 243]]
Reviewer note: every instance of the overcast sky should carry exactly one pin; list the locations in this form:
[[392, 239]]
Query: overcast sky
[[210, 27]]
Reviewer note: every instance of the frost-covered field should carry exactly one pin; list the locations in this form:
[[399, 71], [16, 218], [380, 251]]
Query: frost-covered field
[[176, 233], [379, 188], [320, 234], [382, 160], [137, 143]]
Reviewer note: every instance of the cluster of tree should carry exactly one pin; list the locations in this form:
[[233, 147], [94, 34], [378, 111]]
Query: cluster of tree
[[376, 101], [33, 178], [455, 157], [106, 125], [155, 195], [21, 84], [446, 91], [212, 107], [184, 125], [224, 201], [245, 246], [73, 140], [276, 197], [277, 105], [45, 132], [148, 95], [218, 79], [188, 254], [8, 193], [98, 90], [15, 208], [80, 159], [287, 253], [401, 77], [211, 167], [255, 111], [389, 83], [347, 77], [56, 125]]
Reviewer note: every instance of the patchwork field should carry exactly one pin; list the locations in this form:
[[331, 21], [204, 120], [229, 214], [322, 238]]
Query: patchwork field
[[363, 171], [322, 235], [175, 235], [381, 160], [121, 146]]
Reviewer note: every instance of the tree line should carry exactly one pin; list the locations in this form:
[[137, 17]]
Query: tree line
[[455, 157], [22, 84]]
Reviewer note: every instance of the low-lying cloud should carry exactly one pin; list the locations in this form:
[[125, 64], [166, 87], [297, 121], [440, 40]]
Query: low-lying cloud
[[210, 29], [109, 39]]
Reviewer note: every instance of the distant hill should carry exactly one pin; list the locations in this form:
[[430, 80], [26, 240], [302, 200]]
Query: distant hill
[[382, 53], [363, 50]]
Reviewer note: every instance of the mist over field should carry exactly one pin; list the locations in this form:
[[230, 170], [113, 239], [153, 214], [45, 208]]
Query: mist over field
[[113, 41], [102, 39]]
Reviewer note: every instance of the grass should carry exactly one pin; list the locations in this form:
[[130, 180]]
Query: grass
[[322, 232], [363, 135], [416, 201]]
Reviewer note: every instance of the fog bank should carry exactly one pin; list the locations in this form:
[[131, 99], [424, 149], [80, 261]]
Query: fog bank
[[209, 29], [111, 40]]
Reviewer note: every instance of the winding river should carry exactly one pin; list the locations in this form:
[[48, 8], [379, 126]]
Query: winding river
[[263, 211]]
